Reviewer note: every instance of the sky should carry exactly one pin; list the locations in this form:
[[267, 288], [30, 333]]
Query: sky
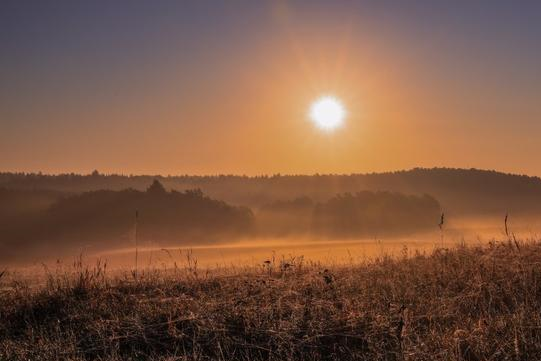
[[225, 87]]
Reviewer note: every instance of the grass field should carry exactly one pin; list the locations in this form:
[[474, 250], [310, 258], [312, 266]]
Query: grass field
[[465, 303]]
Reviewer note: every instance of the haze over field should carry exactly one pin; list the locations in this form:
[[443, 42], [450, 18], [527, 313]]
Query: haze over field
[[271, 117], [225, 219]]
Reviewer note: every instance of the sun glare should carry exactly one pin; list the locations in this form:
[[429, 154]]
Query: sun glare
[[327, 113]]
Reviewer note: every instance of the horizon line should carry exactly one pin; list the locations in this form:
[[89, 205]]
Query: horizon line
[[260, 175]]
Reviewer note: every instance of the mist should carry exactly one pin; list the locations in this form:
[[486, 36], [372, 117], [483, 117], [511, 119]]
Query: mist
[[47, 217]]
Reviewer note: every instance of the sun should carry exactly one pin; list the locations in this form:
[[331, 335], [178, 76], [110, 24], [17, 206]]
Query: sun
[[327, 113]]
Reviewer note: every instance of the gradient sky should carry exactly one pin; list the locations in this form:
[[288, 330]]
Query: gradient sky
[[209, 87]]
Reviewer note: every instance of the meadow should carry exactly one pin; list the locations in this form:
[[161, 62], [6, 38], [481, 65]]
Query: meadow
[[461, 303]]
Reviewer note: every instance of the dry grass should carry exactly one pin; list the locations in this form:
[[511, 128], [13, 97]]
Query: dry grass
[[459, 304]]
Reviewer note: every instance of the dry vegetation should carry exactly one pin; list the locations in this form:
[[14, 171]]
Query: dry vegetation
[[467, 303]]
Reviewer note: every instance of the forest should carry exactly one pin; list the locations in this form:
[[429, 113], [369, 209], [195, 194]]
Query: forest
[[108, 219], [461, 192]]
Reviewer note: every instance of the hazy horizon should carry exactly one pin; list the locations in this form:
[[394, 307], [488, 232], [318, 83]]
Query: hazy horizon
[[255, 175]]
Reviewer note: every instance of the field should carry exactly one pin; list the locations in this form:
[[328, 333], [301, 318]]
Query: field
[[464, 303]]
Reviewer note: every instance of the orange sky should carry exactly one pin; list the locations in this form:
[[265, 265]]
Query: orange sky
[[228, 90]]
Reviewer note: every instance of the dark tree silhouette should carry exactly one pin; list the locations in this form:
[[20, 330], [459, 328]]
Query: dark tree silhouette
[[104, 219], [156, 188]]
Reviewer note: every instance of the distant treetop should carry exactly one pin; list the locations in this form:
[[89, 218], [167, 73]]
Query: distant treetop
[[156, 188]]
